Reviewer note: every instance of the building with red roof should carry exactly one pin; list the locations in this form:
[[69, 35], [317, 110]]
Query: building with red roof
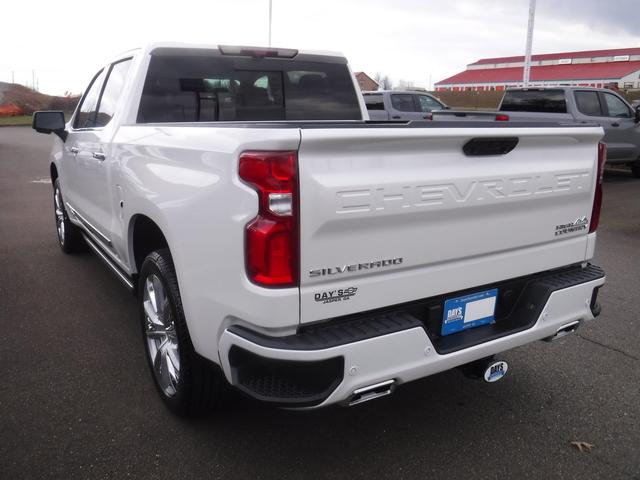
[[594, 68]]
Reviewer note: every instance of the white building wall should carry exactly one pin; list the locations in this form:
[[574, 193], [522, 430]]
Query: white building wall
[[630, 81], [574, 60]]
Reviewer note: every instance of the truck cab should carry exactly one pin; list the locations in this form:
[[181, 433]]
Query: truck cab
[[406, 105]]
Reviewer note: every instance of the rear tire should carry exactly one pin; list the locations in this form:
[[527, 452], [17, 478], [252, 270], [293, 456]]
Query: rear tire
[[69, 236], [188, 384], [635, 169]]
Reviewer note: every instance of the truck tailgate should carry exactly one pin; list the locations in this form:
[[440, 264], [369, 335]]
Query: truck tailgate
[[390, 215]]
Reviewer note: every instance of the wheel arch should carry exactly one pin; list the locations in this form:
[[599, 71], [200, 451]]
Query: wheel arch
[[145, 235]]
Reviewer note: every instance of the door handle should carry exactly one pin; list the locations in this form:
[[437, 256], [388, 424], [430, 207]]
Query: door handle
[[615, 124], [99, 156], [74, 150], [396, 116]]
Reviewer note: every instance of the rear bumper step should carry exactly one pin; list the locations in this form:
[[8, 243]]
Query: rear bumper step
[[333, 361]]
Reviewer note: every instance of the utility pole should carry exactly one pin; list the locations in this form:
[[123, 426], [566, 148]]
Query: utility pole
[[13, 76], [527, 54], [270, 8], [33, 79]]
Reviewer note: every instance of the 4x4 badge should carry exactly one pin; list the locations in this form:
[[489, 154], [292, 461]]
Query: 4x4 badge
[[577, 225]]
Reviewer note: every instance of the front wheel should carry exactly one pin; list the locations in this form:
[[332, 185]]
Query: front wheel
[[188, 383], [635, 169], [69, 236]]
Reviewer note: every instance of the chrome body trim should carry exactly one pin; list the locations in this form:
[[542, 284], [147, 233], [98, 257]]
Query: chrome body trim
[[122, 276], [93, 230]]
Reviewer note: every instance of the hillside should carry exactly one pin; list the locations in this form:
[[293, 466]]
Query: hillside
[[19, 100], [3, 87]]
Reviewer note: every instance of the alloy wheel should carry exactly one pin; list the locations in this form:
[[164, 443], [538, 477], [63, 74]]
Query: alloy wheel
[[59, 209], [161, 336]]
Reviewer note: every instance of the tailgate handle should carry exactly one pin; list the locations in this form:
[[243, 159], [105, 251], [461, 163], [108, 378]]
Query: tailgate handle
[[478, 147]]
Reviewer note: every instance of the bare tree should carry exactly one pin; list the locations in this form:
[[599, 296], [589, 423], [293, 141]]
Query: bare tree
[[405, 84], [384, 81]]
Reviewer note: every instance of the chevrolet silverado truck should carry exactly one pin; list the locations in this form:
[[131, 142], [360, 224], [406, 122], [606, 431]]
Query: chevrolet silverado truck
[[601, 106], [280, 242]]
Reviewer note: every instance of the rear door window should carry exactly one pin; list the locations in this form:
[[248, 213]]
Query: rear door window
[[86, 115], [404, 102], [111, 92], [543, 101], [209, 88], [588, 103]]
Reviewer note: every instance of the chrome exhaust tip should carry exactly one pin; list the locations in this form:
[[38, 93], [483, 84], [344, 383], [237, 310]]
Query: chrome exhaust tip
[[564, 331], [372, 392]]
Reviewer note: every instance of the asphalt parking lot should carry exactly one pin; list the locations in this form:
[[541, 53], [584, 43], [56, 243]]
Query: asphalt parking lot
[[77, 401]]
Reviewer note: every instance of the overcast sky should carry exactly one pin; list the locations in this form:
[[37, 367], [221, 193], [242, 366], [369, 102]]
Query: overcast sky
[[66, 41]]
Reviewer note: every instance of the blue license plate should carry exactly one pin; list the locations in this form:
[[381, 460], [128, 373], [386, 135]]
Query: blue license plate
[[470, 311]]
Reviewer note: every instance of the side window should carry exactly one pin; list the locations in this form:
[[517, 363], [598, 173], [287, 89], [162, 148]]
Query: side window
[[403, 102], [588, 103], [86, 115], [374, 102], [427, 103], [112, 91], [616, 107]]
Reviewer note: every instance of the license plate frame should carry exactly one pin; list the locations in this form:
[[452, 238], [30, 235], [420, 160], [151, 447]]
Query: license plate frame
[[468, 311]]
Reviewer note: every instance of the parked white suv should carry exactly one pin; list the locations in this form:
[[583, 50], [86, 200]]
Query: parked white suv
[[278, 241]]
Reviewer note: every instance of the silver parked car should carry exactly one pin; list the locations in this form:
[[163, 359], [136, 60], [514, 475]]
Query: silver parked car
[[401, 105], [605, 107], [582, 105]]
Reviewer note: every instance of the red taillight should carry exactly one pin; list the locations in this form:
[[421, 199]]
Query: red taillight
[[271, 238], [597, 199], [501, 117]]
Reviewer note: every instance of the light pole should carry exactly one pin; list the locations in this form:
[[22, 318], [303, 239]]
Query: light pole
[[270, 1], [527, 54]]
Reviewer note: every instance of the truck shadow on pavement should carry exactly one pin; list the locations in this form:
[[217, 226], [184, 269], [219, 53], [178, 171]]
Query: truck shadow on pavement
[[417, 430]]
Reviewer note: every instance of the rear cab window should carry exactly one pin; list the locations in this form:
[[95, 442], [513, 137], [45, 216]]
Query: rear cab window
[[209, 87], [374, 101], [542, 101]]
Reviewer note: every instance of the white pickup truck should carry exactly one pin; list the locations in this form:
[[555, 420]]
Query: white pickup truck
[[279, 241]]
